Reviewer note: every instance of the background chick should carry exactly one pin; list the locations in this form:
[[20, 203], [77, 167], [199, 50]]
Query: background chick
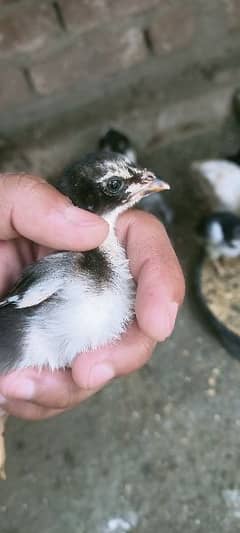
[[220, 182], [220, 233], [118, 142]]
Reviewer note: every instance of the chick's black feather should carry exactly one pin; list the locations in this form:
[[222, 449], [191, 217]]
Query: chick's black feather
[[229, 222]]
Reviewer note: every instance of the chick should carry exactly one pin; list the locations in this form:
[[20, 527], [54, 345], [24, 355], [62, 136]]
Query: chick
[[223, 179], [70, 302], [220, 233], [117, 142]]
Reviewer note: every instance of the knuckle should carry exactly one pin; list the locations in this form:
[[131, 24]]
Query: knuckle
[[144, 352], [66, 401], [20, 184], [27, 183], [62, 403], [147, 347]]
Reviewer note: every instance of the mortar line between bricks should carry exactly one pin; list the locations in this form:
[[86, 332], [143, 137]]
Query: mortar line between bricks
[[59, 15], [69, 38], [148, 40], [28, 79]]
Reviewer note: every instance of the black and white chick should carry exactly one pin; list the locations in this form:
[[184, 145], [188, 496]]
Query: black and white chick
[[115, 141], [223, 178], [220, 233], [70, 302]]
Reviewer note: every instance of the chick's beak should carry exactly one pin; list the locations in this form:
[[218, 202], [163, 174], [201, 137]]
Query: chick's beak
[[150, 184]]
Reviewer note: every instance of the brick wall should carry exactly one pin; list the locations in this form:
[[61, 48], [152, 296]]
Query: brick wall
[[78, 65]]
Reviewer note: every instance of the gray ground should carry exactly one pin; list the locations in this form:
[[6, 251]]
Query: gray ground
[[155, 452]]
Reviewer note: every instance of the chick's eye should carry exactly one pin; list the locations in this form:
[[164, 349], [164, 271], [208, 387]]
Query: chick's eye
[[113, 185]]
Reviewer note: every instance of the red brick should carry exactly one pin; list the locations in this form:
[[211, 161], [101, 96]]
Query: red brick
[[13, 87], [172, 29], [83, 15], [95, 56], [27, 29], [233, 13], [129, 7]]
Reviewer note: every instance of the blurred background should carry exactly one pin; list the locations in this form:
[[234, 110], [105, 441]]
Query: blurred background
[[159, 450]]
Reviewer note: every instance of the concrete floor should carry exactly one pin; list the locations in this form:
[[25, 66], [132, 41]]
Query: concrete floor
[[154, 452]]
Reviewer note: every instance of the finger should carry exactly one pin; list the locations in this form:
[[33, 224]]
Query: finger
[[30, 411], [14, 256], [30, 207], [53, 390], [93, 370], [156, 269], [65, 389]]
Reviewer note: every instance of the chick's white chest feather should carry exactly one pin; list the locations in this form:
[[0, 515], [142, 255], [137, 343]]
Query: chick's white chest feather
[[87, 316]]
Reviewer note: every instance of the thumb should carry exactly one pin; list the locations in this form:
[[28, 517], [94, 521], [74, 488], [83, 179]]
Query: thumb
[[30, 207]]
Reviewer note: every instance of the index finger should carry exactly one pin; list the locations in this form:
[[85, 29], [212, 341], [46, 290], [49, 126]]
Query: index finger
[[30, 207], [155, 267]]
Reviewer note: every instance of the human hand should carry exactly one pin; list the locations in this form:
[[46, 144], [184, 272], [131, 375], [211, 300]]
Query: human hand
[[35, 218]]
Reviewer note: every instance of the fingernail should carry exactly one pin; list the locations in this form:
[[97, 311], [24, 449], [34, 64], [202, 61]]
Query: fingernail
[[171, 317], [100, 375], [81, 217], [22, 389]]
